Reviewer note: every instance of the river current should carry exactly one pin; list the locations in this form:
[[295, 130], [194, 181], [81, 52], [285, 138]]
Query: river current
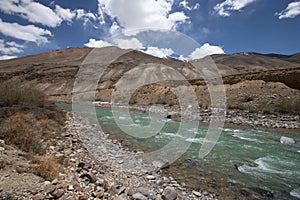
[[248, 157]]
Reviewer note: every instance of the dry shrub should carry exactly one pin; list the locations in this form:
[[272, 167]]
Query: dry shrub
[[46, 167], [20, 130], [13, 93], [282, 106]]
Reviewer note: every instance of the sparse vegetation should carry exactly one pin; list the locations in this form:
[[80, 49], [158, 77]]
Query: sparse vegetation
[[21, 131], [13, 93], [281, 105], [29, 122], [46, 167]]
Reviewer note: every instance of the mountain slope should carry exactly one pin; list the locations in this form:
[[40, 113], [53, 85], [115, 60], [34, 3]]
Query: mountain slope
[[54, 72]]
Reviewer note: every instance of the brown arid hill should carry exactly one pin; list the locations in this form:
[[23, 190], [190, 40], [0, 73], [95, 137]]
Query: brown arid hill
[[251, 80]]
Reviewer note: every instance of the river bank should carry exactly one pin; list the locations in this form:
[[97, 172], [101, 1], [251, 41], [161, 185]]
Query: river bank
[[200, 175], [128, 175], [233, 117]]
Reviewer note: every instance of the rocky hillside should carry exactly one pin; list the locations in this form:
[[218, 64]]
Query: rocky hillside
[[251, 80]]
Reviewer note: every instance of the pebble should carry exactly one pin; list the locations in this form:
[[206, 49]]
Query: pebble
[[198, 194], [139, 196], [71, 188], [150, 177], [58, 193], [169, 193]]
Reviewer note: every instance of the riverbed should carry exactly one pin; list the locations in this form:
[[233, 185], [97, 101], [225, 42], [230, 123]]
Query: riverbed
[[243, 160]]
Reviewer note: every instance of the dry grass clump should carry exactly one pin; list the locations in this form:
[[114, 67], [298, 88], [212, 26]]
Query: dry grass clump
[[282, 106], [13, 93], [46, 167], [20, 130]]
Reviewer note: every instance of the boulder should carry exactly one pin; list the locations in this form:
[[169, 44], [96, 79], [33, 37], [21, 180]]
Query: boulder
[[287, 140]]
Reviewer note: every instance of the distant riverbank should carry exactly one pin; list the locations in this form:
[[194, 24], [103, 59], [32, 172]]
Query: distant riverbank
[[233, 117]]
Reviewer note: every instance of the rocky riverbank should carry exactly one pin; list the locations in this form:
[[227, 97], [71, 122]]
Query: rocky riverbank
[[95, 167], [233, 117]]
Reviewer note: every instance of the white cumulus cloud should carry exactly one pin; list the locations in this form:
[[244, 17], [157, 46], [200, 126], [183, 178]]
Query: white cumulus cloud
[[97, 43], [291, 11], [226, 7], [65, 14], [85, 16], [185, 5], [31, 11], [7, 57], [10, 47], [205, 50], [136, 16], [27, 33], [132, 43], [159, 52]]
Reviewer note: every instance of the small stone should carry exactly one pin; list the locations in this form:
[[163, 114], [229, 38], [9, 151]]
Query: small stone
[[150, 177], [58, 193], [100, 182], [161, 164], [85, 166], [143, 191], [198, 194], [139, 196], [39, 197], [2, 142], [121, 190], [49, 188], [121, 197], [160, 191], [129, 192], [55, 182], [61, 176], [83, 197], [2, 149], [68, 152], [158, 197], [71, 188], [169, 193], [91, 177]]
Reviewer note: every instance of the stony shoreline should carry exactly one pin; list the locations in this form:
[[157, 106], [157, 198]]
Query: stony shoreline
[[129, 176], [95, 167], [233, 117]]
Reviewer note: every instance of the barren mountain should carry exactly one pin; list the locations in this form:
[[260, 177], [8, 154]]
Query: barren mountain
[[249, 78]]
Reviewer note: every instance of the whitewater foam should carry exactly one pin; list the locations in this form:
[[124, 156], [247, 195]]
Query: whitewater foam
[[295, 193]]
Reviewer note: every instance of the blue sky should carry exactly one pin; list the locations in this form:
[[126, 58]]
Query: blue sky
[[188, 29]]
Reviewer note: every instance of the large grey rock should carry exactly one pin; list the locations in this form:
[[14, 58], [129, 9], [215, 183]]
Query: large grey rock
[[169, 193], [287, 140]]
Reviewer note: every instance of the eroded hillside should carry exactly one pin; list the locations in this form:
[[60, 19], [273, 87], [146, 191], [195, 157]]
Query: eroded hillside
[[251, 80]]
